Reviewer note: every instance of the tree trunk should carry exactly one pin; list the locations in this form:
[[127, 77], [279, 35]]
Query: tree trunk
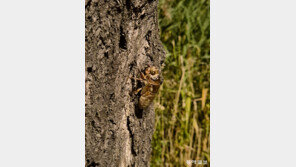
[[121, 37]]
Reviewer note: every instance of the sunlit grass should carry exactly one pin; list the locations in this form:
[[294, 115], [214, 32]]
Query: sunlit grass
[[183, 102]]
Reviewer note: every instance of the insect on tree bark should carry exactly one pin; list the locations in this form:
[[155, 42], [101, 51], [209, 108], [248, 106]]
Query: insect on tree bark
[[121, 37]]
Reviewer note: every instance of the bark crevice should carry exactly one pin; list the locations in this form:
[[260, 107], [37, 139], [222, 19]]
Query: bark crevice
[[131, 137]]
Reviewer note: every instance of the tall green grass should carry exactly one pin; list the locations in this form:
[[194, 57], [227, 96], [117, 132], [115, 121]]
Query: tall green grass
[[183, 103]]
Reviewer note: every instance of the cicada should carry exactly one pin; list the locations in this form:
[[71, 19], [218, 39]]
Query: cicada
[[151, 83]]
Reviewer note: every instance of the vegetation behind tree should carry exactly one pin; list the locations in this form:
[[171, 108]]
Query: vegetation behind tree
[[182, 127]]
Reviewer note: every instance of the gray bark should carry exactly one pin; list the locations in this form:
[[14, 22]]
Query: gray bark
[[121, 37]]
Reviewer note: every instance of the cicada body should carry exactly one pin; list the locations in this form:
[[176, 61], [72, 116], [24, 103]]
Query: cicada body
[[152, 82]]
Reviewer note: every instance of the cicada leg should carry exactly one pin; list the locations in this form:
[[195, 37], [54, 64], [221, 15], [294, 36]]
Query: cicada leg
[[142, 75], [137, 91], [137, 79]]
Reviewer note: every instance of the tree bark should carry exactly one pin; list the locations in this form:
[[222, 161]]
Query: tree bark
[[121, 37]]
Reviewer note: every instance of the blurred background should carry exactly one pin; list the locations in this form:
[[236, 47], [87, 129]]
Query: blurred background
[[183, 104]]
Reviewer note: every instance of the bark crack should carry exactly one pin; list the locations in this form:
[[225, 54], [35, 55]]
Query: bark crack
[[122, 40], [131, 136]]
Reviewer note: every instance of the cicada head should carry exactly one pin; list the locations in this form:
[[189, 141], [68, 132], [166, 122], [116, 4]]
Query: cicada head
[[153, 73]]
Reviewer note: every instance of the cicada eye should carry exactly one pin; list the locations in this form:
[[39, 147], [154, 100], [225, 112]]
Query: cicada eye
[[152, 72]]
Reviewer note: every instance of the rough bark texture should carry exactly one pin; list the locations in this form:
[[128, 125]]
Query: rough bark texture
[[122, 36]]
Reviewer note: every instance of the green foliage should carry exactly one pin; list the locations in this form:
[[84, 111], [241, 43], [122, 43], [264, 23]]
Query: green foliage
[[183, 103]]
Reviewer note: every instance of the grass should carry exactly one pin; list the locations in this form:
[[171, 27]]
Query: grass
[[183, 103]]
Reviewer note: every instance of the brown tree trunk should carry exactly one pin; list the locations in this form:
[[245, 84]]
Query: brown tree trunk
[[121, 37]]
